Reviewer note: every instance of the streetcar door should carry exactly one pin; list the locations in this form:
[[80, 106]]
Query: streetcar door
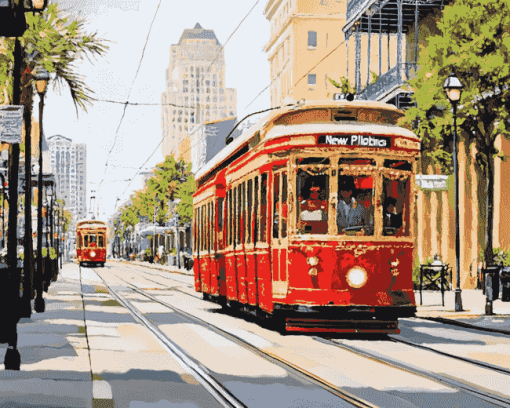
[[279, 237]]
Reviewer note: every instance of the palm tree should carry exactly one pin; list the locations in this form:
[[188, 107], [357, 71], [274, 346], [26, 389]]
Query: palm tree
[[53, 42]]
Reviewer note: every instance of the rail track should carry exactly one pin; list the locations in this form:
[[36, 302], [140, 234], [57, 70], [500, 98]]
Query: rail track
[[461, 387], [221, 394]]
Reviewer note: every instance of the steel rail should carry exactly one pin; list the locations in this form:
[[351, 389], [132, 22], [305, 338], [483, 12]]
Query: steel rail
[[461, 387], [463, 359], [220, 393], [346, 396]]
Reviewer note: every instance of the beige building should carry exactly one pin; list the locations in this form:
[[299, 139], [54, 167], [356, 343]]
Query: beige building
[[195, 89], [307, 46]]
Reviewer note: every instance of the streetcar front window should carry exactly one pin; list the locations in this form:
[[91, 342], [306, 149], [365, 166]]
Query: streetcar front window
[[313, 195], [86, 241], [355, 204], [100, 242]]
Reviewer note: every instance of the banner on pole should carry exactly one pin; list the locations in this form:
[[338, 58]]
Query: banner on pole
[[11, 123]]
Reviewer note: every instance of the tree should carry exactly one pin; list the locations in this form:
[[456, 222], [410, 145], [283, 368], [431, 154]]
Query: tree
[[474, 41]]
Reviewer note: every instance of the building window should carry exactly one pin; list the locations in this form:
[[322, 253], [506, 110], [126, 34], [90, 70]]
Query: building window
[[312, 79], [312, 39]]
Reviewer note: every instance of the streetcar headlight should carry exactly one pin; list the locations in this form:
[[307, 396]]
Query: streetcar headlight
[[92, 254], [356, 277], [312, 261]]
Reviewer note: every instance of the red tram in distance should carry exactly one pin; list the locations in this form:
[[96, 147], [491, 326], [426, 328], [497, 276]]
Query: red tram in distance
[[307, 218], [91, 242]]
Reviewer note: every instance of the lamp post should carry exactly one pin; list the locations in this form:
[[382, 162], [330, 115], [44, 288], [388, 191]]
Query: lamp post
[[42, 77], [453, 89], [3, 208]]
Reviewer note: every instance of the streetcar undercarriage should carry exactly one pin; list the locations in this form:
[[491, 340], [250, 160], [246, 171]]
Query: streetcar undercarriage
[[324, 319]]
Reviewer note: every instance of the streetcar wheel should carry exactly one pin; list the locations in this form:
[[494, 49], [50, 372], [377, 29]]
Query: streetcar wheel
[[206, 296]]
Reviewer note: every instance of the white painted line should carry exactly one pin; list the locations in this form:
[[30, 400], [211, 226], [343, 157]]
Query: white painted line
[[101, 390]]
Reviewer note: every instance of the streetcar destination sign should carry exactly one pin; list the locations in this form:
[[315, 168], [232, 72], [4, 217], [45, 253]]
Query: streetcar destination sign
[[355, 140]]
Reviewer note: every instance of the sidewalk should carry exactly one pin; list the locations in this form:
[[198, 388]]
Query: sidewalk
[[86, 350], [473, 314]]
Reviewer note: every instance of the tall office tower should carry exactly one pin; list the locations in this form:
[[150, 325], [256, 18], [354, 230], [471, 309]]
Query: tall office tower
[[68, 162], [195, 82]]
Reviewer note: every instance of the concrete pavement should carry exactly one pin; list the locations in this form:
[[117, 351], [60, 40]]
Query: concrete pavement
[[86, 350]]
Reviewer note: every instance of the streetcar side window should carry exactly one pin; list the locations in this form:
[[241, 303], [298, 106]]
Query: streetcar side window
[[312, 185], [244, 218], [283, 212], [263, 208], [249, 217], [211, 226], [230, 223], [100, 241], [276, 205], [256, 211], [395, 201], [220, 222], [238, 208]]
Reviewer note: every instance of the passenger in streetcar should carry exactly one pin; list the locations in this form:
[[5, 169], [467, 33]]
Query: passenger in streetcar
[[313, 213], [392, 219]]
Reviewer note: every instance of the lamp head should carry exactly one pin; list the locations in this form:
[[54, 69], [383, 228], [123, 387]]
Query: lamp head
[[453, 88], [41, 79]]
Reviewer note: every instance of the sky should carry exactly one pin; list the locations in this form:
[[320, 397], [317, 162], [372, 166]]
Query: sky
[[125, 24]]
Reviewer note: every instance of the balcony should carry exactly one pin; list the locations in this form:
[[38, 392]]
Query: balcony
[[389, 81]]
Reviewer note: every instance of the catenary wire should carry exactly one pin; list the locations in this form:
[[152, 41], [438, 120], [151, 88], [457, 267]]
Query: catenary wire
[[129, 94], [299, 80]]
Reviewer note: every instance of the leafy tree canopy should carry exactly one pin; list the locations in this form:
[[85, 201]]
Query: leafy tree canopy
[[474, 41]]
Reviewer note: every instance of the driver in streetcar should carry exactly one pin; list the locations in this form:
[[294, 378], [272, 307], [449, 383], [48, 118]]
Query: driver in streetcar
[[353, 217]]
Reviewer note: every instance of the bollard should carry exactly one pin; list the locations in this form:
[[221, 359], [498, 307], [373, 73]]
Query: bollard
[[491, 274], [504, 276]]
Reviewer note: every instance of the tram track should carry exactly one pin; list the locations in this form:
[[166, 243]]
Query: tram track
[[217, 390], [460, 386]]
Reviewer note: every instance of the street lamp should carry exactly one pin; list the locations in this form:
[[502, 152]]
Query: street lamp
[[453, 89], [42, 77]]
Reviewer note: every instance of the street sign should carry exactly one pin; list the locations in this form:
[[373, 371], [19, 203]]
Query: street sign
[[11, 123]]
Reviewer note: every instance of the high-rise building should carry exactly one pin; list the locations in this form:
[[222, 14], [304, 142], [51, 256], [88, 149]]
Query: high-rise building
[[68, 162], [195, 83]]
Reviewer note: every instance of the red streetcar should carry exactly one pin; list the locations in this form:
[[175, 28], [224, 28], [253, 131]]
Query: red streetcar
[[307, 218], [91, 242]]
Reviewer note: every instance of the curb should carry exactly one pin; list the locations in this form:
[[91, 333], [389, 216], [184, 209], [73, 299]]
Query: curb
[[454, 322]]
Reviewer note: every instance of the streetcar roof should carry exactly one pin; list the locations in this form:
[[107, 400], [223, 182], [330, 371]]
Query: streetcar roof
[[90, 224], [280, 130]]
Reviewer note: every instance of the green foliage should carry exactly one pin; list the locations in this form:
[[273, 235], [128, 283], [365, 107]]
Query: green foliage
[[501, 256], [474, 42], [53, 42], [172, 180], [53, 253], [44, 252], [343, 85], [375, 77]]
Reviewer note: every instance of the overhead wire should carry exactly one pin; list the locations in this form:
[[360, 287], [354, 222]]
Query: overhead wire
[[188, 107], [300, 79], [129, 94]]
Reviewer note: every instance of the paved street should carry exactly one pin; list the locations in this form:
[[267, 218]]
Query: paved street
[[131, 335]]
